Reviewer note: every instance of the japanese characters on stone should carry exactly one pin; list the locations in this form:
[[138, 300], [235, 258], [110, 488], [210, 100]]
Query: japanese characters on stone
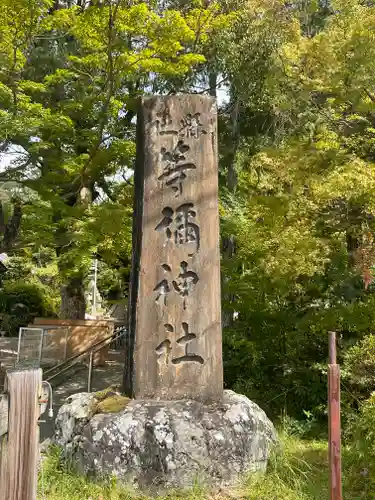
[[178, 225], [174, 347], [177, 161]]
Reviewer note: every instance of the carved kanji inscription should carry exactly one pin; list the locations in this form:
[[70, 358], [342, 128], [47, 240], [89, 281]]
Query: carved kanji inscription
[[183, 284], [191, 126], [179, 225], [168, 353], [175, 166], [174, 344]]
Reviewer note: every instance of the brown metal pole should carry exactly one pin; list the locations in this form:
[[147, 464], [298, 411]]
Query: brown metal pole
[[334, 424], [332, 348]]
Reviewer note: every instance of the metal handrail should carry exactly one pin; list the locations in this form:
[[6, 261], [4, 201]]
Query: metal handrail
[[108, 339], [74, 360], [9, 351]]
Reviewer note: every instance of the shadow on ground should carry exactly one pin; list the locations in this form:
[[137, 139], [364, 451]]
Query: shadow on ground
[[75, 382]]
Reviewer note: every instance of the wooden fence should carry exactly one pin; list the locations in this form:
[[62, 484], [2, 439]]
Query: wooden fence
[[19, 434]]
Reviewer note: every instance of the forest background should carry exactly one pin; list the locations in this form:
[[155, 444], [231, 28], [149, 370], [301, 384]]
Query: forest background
[[296, 172]]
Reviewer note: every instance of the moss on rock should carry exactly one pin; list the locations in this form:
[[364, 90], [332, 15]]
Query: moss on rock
[[105, 393], [109, 401], [112, 404]]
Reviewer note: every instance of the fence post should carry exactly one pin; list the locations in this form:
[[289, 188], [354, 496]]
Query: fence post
[[19, 479], [91, 364], [3, 442], [4, 415], [334, 424], [3, 466]]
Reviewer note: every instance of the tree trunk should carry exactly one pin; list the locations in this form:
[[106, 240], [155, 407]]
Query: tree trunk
[[212, 80], [73, 303], [352, 246], [232, 174], [10, 229]]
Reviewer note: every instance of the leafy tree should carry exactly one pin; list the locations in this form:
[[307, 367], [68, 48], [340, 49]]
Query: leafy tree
[[301, 209], [296, 137], [69, 83]]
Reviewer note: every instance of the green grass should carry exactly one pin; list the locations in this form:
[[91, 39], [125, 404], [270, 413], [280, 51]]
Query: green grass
[[298, 470]]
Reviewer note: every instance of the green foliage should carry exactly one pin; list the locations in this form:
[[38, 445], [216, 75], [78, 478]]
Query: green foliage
[[361, 431], [309, 428], [113, 281], [69, 85], [297, 169], [21, 302], [301, 212], [359, 364], [299, 470]]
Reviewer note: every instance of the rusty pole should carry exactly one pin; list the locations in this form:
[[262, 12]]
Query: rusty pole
[[334, 424]]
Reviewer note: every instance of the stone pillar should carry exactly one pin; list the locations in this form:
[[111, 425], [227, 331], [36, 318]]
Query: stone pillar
[[175, 347]]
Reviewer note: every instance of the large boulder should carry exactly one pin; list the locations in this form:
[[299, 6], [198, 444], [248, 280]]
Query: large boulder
[[166, 444]]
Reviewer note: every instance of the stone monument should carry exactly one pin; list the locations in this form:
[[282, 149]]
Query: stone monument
[[180, 426], [175, 329]]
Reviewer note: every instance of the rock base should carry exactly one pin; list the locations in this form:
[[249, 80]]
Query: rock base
[[172, 444]]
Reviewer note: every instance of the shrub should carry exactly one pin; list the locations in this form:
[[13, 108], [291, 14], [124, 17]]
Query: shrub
[[362, 430], [359, 363], [21, 302]]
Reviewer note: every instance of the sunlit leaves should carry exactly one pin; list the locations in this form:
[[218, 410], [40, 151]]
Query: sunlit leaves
[[69, 82], [20, 22]]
